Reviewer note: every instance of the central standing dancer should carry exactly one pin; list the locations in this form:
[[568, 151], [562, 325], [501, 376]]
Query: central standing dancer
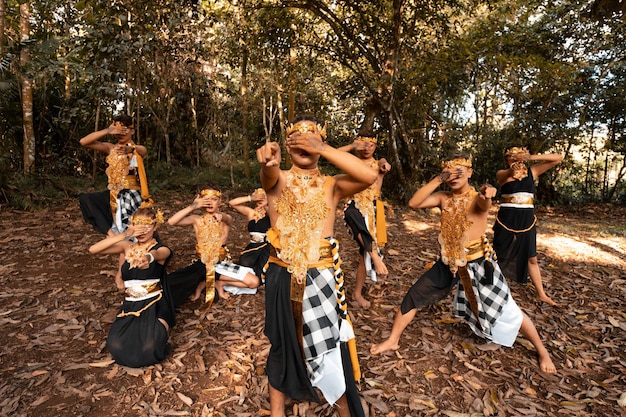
[[305, 308]]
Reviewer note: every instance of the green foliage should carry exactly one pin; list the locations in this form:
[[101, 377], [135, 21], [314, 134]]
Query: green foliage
[[430, 77]]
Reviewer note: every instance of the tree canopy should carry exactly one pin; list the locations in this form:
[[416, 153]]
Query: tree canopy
[[209, 81]]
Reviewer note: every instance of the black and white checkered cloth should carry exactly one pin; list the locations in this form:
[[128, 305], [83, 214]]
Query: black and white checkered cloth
[[128, 201], [232, 270], [321, 315], [491, 294]]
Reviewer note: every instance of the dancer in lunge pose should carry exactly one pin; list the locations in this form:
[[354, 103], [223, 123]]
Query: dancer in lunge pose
[[482, 298]]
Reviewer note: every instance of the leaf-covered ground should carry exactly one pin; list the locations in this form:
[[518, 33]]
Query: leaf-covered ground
[[57, 303]]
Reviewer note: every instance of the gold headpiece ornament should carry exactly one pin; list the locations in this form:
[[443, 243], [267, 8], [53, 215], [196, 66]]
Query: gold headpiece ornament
[[260, 191], [464, 162], [118, 123], [515, 150], [303, 127], [210, 193], [158, 218], [367, 139]]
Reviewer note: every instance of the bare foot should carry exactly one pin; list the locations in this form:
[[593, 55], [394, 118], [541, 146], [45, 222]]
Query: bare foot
[[546, 365], [220, 290], [383, 347], [196, 295], [547, 300], [362, 301]]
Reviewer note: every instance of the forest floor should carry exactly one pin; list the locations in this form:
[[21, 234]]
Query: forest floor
[[57, 303]]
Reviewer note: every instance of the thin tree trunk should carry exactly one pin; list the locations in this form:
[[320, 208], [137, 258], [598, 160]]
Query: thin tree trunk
[[3, 24], [95, 153], [27, 93], [194, 124], [291, 110], [168, 153], [244, 110], [3, 40], [281, 117]]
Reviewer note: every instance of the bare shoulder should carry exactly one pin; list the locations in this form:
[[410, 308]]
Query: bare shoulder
[[227, 218]]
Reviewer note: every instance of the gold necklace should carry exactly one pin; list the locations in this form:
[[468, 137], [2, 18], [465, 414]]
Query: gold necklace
[[137, 252]]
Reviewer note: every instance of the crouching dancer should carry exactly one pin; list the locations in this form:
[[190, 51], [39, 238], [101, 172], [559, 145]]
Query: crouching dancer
[[139, 335], [482, 298], [305, 308]]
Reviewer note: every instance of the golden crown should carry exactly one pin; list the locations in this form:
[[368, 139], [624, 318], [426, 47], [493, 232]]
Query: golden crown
[[157, 219], [367, 139], [120, 124], [210, 193], [515, 150], [303, 127], [464, 162]]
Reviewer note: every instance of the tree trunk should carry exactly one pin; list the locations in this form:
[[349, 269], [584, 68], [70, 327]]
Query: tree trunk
[[166, 130], [3, 40], [281, 117], [95, 153], [244, 109], [27, 94], [3, 23], [194, 124]]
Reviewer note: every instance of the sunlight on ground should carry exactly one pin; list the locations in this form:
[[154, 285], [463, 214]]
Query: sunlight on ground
[[609, 251], [416, 226], [603, 250]]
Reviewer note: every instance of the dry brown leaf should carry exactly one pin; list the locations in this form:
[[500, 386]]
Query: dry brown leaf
[[102, 364], [188, 401]]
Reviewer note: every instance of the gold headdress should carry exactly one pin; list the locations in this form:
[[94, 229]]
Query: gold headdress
[[210, 193], [259, 191], [367, 139], [158, 218], [515, 150], [459, 161], [120, 124], [303, 127]]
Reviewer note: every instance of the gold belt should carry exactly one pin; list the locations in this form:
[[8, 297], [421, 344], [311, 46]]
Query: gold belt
[[130, 183], [142, 290], [515, 200], [326, 257], [296, 292]]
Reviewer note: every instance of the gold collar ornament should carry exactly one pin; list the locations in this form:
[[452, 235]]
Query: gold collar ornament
[[520, 170], [209, 237], [364, 201], [117, 170], [137, 252], [454, 226], [302, 211], [304, 126]]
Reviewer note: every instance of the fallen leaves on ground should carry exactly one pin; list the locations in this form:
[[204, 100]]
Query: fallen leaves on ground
[[57, 303]]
